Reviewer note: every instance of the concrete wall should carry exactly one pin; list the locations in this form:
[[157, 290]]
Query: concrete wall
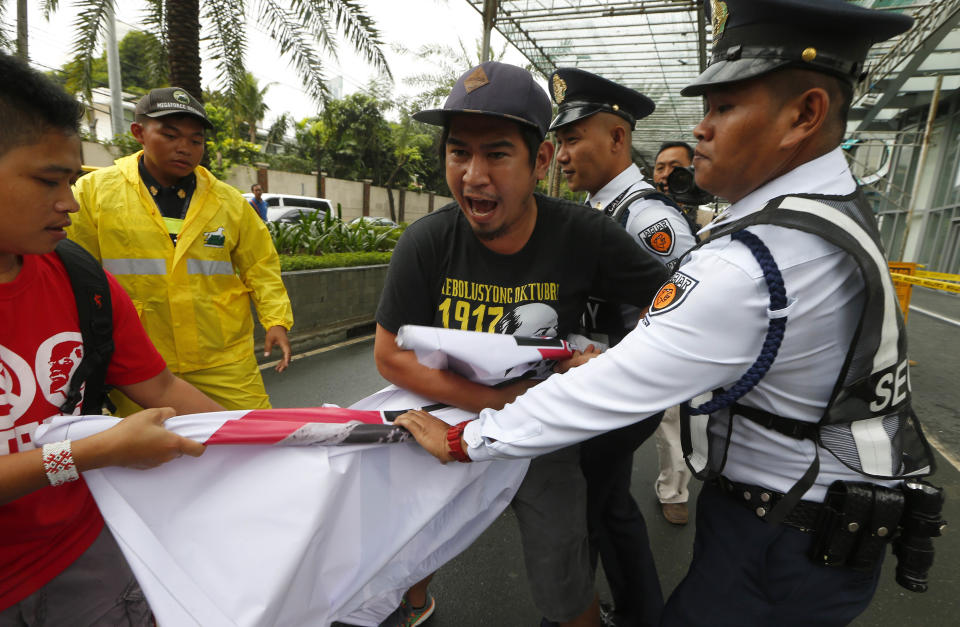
[[416, 204], [330, 305], [349, 194], [243, 177], [96, 154], [280, 182]]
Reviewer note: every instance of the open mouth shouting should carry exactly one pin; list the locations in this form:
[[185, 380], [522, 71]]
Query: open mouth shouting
[[480, 207]]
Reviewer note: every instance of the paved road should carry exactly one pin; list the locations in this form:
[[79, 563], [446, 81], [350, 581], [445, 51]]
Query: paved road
[[486, 585]]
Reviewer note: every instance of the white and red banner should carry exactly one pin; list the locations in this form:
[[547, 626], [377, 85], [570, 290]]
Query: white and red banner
[[311, 520], [293, 534], [487, 357]]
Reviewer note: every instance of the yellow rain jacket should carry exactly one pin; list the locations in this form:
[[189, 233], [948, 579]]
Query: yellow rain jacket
[[193, 299]]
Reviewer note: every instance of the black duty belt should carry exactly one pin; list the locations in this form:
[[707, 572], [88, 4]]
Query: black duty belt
[[761, 501]]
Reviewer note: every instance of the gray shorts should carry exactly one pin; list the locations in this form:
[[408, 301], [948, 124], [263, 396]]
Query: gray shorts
[[97, 589], [551, 509]]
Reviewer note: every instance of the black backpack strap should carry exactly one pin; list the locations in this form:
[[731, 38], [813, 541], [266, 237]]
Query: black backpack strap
[[95, 310]]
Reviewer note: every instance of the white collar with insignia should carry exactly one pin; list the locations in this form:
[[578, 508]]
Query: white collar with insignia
[[827, 174], [630, 177]]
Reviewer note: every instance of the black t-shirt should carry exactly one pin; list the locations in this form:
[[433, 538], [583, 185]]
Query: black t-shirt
[[441, 275]]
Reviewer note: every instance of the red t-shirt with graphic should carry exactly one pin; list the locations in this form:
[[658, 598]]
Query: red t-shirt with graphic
[[40, 348]]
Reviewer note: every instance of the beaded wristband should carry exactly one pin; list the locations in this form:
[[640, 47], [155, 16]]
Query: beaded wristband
[[58, 463], [454, 434]]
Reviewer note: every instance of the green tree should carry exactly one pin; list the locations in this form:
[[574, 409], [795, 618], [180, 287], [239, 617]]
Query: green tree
[[304, 30], [143, 62], [248, 106], [354, 139], [224, 148]]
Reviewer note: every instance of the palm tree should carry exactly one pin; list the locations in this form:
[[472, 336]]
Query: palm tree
[[248, 105], [304, 30]]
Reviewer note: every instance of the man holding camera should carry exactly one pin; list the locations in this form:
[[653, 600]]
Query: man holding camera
[[786, 329], [674, 476], [594, 125]]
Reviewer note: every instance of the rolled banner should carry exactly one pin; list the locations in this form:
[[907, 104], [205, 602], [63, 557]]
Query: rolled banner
[[484, 357], [313, 426]]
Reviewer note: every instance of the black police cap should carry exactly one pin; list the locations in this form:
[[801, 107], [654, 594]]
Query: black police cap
[[580, 94], [754, 37], [496, 89]]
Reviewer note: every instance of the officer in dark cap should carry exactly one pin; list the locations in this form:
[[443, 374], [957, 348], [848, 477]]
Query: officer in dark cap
[[500, 238], [784, 329], [595, 121]]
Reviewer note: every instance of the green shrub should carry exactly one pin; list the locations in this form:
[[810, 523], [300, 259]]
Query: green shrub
[[315, 235], [333, 260]]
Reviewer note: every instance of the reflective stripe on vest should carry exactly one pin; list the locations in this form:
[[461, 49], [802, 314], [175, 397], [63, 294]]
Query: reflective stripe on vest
[[135, 266], [209, 267]]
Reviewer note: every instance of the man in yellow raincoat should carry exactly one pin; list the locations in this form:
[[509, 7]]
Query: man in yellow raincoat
[[190, 252]]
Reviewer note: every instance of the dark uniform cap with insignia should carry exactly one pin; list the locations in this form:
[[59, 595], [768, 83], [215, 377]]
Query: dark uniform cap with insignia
[[497, 89], [580, 94], [754, 37], [166, 101]]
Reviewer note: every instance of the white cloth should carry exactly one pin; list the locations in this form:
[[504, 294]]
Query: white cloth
[[485, 357], [286, 534], [707, 339], [647, 216]]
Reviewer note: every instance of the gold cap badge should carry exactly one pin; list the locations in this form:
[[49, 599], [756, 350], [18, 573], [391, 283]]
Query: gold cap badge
[[808, 54], [720, 14], [559, 88]]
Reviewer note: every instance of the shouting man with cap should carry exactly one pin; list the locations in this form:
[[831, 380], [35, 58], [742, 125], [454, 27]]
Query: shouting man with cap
[[594, 125], [785, 328], [189, 251], [482, 261]]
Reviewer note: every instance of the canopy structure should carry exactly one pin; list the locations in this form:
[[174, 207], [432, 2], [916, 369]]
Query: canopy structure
[[659, 46]]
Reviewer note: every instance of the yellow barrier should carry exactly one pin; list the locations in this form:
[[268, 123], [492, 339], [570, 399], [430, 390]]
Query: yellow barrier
[[946, 286], [938, 276], [899, 272]]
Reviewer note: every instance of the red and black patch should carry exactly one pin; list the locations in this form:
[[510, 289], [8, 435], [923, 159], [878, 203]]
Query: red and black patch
[[658, 237], [673, 292]]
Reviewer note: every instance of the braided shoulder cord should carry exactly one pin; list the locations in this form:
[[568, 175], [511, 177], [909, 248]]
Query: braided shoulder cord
[[774, 337]]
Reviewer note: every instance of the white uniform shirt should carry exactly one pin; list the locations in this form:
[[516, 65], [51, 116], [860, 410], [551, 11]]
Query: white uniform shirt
[[706, 339], [658, 229]]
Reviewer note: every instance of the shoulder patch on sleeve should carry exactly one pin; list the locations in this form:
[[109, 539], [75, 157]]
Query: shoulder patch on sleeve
[[658, 237], [673, 293]]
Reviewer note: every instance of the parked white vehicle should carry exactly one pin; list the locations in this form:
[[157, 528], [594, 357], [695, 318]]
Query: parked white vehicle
[[291, 208]]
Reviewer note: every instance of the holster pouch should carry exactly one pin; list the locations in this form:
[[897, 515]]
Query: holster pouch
[[855, 524], [884, 521]]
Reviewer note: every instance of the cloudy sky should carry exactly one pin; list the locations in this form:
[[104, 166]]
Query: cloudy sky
[[411, 23]]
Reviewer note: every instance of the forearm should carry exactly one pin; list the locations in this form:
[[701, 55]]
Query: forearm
[[401, 368], [168, 390], [23, 473]]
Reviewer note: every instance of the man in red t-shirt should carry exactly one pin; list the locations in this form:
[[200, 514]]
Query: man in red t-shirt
[[58, 563]]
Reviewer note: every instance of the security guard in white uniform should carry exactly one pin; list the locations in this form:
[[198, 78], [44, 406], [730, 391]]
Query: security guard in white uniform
[[785, 330], [593, 127], [595, 119]]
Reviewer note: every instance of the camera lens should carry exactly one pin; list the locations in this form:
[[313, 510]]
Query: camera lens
[[680, 181]]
